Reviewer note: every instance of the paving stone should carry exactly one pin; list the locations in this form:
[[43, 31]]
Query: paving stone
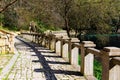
[[38, 65]]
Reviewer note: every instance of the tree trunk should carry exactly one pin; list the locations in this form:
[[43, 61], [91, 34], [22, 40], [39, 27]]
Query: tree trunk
[[11, 3], [67, 27]]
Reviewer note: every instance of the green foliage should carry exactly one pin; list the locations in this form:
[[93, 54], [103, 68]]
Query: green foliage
[[91, 16], [97, 69], [43, 27], [79, 59], [1, 19], [101, 40], [0, 70]]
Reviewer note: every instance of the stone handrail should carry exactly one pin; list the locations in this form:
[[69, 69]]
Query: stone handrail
[[69, 49], [6, 42]]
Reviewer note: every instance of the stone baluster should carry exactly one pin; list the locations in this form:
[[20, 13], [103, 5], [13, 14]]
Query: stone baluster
[[12, 43], [31, 37], [74, 52], [65, 48], [114, 69], [34, 38], [49, 41], [87, 59], [52, 46], [38, 40], [114, 73], [58, 45]]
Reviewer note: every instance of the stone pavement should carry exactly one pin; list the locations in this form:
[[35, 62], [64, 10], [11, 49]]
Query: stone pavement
[[38, 63]]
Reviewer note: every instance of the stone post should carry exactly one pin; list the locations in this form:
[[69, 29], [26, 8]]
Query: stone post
[[46, 41], [12, 43], [87, 59], [28, 36], [74, 52], [107, 53], [49, 41], [114, 69], [65, 48], [42, 42], [58, 45], [52, 46], [2, 45], [31, 37], [36, 38]]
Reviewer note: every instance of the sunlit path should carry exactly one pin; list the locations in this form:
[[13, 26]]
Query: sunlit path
[[39, 63]]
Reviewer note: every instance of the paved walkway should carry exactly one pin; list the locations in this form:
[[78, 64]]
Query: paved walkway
[[39, 63]]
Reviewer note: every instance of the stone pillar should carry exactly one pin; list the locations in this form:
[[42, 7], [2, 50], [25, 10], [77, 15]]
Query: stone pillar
[[65, 48], [49, 41], [38, 40], [52, 46], [43, 40], [58, 45], [87, 59], [28, 36], [34, 38], [114, 73], [74, 52], [12, 44], [2, 45], [24, 35], [31, 37]]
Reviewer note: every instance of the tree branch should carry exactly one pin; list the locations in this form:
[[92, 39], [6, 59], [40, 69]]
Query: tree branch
[[3, 9]]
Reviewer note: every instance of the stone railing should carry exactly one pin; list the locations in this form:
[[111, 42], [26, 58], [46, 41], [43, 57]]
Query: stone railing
[[70, 49], [6, 42]]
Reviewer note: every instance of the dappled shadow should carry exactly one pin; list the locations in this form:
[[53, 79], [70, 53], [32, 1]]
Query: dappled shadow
[[60, 72], [46, 67], [55, 62], [52, 56], [46, 51], [52, 62], [48, 71]]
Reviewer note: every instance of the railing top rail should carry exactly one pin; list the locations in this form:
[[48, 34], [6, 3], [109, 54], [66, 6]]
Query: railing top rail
[[111, 51], [94, 51], [6, 32], [116, 60]]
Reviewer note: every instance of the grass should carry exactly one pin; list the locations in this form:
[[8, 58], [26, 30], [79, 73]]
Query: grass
[[3, 28], [97, 69], [0, 70]]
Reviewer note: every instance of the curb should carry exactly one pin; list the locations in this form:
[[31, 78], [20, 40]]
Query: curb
[[9, 66]]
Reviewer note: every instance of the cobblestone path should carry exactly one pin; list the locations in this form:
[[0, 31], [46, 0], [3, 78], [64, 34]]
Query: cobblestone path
[[39, 63]]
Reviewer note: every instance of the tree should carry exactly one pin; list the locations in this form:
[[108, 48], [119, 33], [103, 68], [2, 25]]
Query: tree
[[92, 16], [63, 8], [11, 3]]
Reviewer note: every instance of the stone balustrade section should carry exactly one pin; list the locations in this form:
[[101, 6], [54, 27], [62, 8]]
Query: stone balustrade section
[[71, 48], [6, 42]]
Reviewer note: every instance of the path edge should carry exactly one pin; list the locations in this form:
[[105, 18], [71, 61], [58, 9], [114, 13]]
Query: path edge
[[6, 70]]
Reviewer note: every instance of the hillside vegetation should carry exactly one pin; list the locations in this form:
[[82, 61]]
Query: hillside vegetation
[[89, 16]]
